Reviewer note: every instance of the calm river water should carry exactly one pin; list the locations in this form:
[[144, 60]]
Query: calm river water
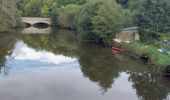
[[56, 66]]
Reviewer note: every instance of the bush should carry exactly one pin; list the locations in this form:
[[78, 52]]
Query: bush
[[33, 8], [100, 19], [159, 59], [55, 16], [153, 15], [67, 16], [9, 15]]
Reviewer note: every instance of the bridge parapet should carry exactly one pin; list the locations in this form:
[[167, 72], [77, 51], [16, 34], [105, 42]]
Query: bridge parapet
[[35, 20]]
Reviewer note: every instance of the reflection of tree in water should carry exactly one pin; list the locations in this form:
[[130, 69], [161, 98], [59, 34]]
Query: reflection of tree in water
[[62, 42], [103, 67], [100, 65], [97, 68], [148, 87], [7, 43]]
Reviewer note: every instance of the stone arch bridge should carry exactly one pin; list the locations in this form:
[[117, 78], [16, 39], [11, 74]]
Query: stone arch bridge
[[36, 20], [31, 22]]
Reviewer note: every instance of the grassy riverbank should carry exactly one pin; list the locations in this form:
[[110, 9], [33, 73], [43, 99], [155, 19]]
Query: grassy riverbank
[[160, 60]]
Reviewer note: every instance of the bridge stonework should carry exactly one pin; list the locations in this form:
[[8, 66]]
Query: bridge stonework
[[35, 20]]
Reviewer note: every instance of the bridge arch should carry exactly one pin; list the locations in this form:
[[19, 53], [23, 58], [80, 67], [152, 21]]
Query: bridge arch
[[41, 25], [36, 21], [26, 25]]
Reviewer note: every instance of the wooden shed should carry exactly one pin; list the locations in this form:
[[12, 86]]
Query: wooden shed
[[128, 34]]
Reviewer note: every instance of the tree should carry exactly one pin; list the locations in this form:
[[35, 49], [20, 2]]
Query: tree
[[153, 15], [122, 2], [109, 20], [84, 19], [9, 15], [66, 2], [134, 4], [33, 8], [21, 4], [55, 16], [100, 19], [67, 15], [45, 11]]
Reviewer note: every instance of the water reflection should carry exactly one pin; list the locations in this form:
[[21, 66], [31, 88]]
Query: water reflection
[[103, 67], [50, 66], [23, 53], [34, 30], [148, 87], [7, 42]]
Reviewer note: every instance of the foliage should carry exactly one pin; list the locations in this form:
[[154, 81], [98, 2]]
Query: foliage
[[100, 19], [66, 2], [159, 59], [45, 11], [67, 16], [153, 15], [33, 7], [93, 19], [84, 21], [9, 15], [109, 20], [123, 2], [134, 4], [21, 4], [55, 16]]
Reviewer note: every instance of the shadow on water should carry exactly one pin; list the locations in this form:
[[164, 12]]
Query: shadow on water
[[100, 65]]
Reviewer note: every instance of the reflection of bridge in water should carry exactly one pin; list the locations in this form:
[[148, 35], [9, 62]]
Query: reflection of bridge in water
[[31, 22], [32, 30]]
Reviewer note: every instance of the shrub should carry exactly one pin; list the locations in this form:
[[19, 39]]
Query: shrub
[[159, 59]]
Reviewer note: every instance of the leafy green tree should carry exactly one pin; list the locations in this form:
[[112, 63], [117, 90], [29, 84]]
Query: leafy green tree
[[33, 8], [153, 15], [109, 20], [84, 19], [66, 2], [67, 16], [49, 3], [21, 4], [55, 16], [45, 11], [100, 19], [134, 4]]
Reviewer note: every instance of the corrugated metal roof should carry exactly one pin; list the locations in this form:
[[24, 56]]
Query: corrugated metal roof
[[130, 28]]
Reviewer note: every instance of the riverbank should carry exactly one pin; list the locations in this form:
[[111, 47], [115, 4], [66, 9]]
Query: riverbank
[[148, 52], [10, 16]]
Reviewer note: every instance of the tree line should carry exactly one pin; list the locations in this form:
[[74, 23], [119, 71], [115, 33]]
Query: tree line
[[100, 19], [93, 19]]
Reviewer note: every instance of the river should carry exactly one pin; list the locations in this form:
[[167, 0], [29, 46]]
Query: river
[[55, 66]]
